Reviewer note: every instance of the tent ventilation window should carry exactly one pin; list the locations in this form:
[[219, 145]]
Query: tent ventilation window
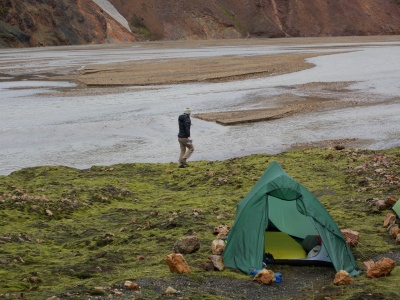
[[285, 194]]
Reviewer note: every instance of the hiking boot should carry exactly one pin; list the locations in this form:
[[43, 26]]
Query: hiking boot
[[184, 163]]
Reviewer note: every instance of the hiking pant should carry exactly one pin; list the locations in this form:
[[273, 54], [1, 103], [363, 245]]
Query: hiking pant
[[184, 145]]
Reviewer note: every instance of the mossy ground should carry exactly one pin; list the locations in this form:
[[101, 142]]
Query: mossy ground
[[66, 232]]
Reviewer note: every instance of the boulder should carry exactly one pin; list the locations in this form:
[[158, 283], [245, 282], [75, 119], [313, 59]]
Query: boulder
[[265, 276], [342, 278], [217, 261], [217, 247], [389, 219], [187, 245], [177, 263], [381, 268], [352, 237]]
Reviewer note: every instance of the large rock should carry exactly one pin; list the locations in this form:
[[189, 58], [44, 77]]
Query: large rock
[[177, 263], [352, 237], [217, 247], [265, 276], [187, 245], [381, 268], [342, 278], [218, 262]]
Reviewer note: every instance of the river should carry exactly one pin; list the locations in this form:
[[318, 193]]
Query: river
[[39, 125]]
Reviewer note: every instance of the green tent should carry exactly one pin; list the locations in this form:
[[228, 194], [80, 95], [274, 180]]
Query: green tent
[[279, 200], [396, 207]]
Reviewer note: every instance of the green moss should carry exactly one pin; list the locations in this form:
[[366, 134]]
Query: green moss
[[66, 231]]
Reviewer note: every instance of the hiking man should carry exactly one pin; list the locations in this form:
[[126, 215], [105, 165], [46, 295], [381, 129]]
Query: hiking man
[[184, 139]]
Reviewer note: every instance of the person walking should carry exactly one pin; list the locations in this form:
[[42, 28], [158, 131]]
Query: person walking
[[184, 138]]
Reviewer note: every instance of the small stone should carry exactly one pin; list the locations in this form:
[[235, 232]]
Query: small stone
[[118, 293], [129, 285], [171, 290]]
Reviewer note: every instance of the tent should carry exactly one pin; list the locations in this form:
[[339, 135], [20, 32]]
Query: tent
[[278, 201], [396, 207]]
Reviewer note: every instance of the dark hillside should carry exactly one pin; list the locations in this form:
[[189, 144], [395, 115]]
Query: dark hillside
[[26, 23], [57, 22], [194, 19]]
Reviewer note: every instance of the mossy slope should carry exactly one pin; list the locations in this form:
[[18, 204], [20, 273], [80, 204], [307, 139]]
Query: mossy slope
[[67, 232]]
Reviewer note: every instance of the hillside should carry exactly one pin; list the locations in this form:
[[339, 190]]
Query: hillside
[[64, 22], [58, 22]]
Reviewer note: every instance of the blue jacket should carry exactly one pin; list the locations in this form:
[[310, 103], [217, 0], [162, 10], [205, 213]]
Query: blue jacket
[[184, 125]]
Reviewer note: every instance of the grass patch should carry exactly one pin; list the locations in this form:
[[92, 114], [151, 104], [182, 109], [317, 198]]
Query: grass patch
[[74, 233]]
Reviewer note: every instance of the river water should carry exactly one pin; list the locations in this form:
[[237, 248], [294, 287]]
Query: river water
[[39, 125]]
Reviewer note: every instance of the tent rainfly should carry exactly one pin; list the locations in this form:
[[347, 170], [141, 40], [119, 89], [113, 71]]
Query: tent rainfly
[[279, 200], [396, 207]]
